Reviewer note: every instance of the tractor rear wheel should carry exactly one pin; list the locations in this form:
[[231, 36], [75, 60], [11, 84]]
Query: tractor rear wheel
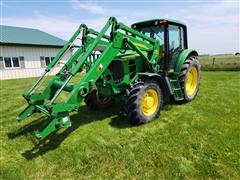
[[95, 100], [144, 102], [189, 78]]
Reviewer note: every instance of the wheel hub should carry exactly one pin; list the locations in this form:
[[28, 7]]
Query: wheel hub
[[191, 81], [101, 99], [149, 102]]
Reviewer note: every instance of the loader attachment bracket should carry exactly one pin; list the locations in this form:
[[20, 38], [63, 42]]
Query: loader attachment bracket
[[28, 111], [54, 124]]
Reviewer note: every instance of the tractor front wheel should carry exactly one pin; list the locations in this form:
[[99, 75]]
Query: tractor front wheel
[[95, 100], [144, 102]]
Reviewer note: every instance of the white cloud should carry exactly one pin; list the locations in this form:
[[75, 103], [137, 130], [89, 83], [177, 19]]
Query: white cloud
[[214, 40], [87, 6], [60, 26], [212, 27]]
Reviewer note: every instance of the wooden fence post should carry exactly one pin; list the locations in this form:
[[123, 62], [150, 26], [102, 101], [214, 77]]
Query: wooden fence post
[[213, 61]]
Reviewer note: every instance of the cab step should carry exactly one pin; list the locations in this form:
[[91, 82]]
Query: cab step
[[177, 91]]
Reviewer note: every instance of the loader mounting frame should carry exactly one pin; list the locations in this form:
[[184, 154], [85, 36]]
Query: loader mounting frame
[[122, 38]]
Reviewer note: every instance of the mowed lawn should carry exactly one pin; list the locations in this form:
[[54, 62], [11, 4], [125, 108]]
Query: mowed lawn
[[198, 140]]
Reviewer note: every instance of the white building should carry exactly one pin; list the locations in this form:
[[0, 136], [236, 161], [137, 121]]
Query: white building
[[25, 52]]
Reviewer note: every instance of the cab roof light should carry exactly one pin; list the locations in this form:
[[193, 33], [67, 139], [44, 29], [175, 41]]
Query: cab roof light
[[163, 21]]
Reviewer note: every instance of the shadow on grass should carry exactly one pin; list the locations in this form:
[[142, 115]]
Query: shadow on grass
[[28, 128], [84, 116]]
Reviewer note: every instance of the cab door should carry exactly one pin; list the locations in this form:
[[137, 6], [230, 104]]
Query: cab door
[[176, 43]]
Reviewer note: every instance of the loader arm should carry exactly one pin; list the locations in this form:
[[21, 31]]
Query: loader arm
[[121, 38]]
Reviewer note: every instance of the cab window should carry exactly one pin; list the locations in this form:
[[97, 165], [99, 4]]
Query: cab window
[[175, 38], [176, 43], [155, 32]]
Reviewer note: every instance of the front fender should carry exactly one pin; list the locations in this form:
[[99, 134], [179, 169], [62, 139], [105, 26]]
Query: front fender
[[182, 57], [161, 80], [150, 76]]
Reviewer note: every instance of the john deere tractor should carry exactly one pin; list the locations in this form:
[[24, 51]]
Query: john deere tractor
[[141, 67]]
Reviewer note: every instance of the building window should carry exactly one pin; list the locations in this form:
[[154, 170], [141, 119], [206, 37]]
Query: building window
[[15, 62], [11, 62], [48, 60], [7, 62]]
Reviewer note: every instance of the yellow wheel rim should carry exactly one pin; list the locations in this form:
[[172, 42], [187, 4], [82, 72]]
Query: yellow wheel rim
[[191, 81], [149, 102]]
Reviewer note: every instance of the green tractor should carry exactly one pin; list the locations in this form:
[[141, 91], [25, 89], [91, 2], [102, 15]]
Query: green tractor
[[141, 67]]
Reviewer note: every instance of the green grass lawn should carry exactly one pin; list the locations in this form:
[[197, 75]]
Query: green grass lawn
[[198, 140]]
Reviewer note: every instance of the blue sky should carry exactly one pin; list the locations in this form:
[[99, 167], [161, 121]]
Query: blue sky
[[213, 26]]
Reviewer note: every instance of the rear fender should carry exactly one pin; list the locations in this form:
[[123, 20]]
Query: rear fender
[[182, 57]]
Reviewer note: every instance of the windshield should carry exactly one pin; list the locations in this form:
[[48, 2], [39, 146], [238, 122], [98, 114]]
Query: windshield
[[156, 32]]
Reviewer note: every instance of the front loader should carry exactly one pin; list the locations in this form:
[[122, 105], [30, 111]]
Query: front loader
[[140, 67]]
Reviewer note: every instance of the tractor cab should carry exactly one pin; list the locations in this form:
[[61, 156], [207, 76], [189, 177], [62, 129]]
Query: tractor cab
[[172, 36]]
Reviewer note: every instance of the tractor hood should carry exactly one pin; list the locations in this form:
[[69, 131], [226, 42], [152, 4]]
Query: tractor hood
[[126, 55]]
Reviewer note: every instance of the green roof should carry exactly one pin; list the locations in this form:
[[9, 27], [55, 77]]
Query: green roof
[[170, 20], [27, 36]]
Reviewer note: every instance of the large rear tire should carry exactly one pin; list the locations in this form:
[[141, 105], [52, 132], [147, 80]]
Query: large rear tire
[[144, 102], [189, 78], [96, 101]]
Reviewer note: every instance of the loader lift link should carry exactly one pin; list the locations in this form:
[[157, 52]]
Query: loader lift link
[[122, 39]]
